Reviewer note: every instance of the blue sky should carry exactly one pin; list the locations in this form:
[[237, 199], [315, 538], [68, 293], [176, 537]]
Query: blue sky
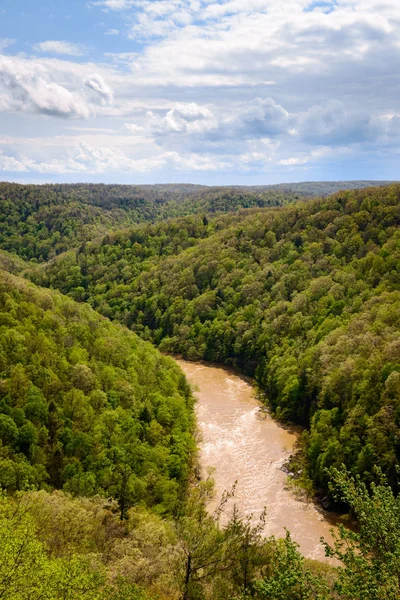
[[204, 91]]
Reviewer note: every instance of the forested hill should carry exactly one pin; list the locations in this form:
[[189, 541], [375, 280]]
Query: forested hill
[[87, 406], [96, 426], [306, 297], [40, 221]]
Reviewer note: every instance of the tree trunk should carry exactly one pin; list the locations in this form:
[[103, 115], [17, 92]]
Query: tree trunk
[[187, 578]]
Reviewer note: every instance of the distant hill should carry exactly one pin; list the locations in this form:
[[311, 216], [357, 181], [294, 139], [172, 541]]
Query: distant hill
[[324, 188], [40, 221]]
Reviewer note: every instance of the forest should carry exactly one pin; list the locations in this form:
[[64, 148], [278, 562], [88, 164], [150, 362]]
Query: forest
[[86, 406], [100, 497], [38, 222], [306, 298]]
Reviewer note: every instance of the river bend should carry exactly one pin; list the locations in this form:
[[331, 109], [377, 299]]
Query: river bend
[[246, 445]]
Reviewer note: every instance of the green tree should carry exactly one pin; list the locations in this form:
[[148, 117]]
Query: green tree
[[203, 543], [371, 556]]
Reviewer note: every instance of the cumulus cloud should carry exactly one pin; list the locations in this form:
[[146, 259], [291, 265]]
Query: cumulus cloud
[[106, 159], [86, 158], [221, 84], [263, 117], [262, 132], [232, 42], [96, 83], [333, 124], [12, 164], [302, 158], [60, 47], [25, 164], [237, 43], [160, 18], [26, 86], [184, 119], [260, 118]]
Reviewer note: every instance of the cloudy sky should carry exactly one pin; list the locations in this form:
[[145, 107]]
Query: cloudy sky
[[203, 91]]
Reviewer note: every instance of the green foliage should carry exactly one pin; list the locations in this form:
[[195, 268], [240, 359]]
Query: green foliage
[[289, 578], [56, 546], [87, 406], [25, 570], [28, 571], [38, 222], [204, 545], [304, 297], [371, 556]]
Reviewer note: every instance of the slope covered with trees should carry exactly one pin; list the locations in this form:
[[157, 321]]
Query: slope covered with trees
[[87, 406], [40, 221], [57, 547], [304, 297]]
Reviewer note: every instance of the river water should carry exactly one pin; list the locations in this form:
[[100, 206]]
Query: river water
[[245, 445]]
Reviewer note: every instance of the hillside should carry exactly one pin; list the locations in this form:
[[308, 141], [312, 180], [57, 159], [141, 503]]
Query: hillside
[[304, 297], [99, 499], [85, 405], [40, 221]]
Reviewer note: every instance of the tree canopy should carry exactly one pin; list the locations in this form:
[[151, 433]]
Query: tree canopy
[[99, 498], [40, 221], [87, 406], [304, 297]]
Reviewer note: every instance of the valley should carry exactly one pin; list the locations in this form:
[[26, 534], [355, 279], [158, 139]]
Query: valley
[[101, 461]]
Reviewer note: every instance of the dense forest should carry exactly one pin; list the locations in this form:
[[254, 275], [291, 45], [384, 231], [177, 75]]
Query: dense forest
[[59, 547], [86, 406], [97, 433], [306, 298], [39, 221]]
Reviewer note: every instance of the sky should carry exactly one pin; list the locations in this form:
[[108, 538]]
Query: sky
[[202, 91]]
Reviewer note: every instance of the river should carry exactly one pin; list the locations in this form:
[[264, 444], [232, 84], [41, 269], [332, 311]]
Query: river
[[246, 445]]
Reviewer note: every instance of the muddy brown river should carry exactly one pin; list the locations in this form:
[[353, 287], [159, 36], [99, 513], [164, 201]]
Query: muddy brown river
[[245, 445]]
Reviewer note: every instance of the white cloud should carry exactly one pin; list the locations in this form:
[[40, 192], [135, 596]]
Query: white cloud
[[334, 124], [263, 117], [114, 4], [228, 84], [11, 164], [239, 43], [85, 158], [26, 86], [195, 162], [60, 47], [257, 119], [105, 159], [329, 124], [262, 132], [5, 43], [184, 119], [24, 164], [96, 83], [303, 158], [293, 161]]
